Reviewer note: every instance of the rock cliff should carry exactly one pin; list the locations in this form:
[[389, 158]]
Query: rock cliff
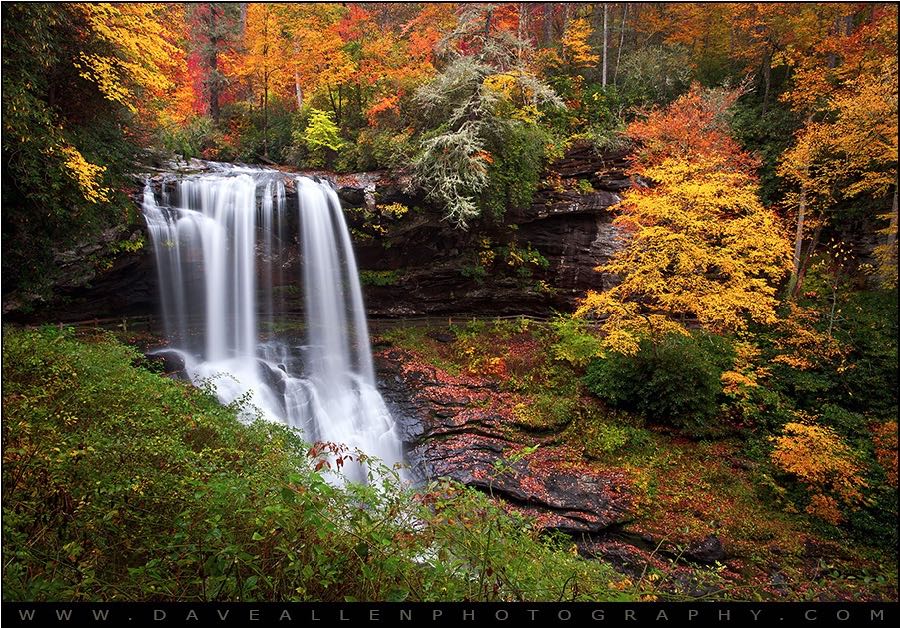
[[412, 263]]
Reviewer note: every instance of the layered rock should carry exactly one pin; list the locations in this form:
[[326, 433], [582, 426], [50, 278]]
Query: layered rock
[[431, 267], [454, 427]]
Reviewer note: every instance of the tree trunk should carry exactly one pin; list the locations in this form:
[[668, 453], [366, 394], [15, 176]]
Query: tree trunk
[[213, 65], [547, 24], [793, 283], [214, 85], [522, 27], [767, 79], [298, 90], [621, 44], [804, 263], [605, 37], [892, 229], [266, 116]]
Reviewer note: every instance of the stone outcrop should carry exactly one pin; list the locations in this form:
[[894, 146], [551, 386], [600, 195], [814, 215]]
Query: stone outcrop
[[431, 267], [454, 428]]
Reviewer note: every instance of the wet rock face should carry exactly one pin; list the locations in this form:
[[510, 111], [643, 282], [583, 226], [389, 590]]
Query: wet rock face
[[433, 264], [707, 551], [453, 428], [568, 224]]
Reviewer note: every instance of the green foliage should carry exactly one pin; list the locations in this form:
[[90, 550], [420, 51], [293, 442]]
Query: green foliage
[[470, 111], [546, 412], [675, 380], [376, 149], [320, 137], [606, 435], [251, 134], [869, 326], [380, 277], [575, 344], [193, 139], [66, 147], [518, 152], [766, 135], [122, 485]]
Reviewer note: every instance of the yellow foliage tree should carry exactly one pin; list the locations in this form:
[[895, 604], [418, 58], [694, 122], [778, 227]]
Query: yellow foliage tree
[[846, 87], [701, 247], [576, 49], [818, 458], [139, 55]]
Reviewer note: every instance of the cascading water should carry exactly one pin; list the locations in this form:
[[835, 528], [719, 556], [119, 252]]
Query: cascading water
[[220, 242]]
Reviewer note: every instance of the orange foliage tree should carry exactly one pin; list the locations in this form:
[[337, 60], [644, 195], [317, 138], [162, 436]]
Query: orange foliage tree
[[845, 87]]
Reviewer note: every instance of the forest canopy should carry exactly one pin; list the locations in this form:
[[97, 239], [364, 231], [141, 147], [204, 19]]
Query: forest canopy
[[706, 192]]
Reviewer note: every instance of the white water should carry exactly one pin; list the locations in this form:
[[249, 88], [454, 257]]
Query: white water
[[220, 244]]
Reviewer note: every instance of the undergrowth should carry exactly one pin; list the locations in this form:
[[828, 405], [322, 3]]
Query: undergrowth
[[120, 484]]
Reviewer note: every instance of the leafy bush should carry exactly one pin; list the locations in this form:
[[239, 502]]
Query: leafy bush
[[380, 277], [575, 343], [122, 485], [376, 149], [602, 439], [517, 152], [315, 139], [675, 380], [823, 462], [546, 412]]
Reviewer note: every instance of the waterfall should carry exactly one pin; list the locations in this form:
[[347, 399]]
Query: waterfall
[[220, 245]]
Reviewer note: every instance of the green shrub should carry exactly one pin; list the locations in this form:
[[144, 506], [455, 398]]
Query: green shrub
[[380, 277], [121, 485], [575, 343], [673, 381], [517, 154], [546, 412], [603, 439]]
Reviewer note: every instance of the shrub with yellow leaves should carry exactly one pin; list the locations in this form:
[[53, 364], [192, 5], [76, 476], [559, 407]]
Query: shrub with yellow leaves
[[826, 465]]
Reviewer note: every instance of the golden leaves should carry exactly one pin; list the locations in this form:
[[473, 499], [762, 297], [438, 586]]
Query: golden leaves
[[576, 48], [139, 54], [87, 176], [818, 457], [701, 247]]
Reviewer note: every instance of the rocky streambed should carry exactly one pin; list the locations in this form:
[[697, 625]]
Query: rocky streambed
[[458, 427]]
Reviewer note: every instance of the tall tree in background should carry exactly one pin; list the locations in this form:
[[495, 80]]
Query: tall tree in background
[[264, 60], [81, 84], [214, 28], [846, 89], [485, 88]]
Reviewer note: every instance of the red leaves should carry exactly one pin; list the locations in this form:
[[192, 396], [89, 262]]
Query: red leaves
[[694, 126], [328, 452]]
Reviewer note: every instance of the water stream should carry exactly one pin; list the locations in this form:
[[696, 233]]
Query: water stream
[[220, 242]]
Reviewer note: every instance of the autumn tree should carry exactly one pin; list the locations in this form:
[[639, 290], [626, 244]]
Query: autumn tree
[[484, 89], [700, 248], [80, 86], [845, 87], [819, 459], [214, 28], [264, 60]]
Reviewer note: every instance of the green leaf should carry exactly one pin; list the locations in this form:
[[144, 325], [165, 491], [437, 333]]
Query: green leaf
[[397, 595]]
